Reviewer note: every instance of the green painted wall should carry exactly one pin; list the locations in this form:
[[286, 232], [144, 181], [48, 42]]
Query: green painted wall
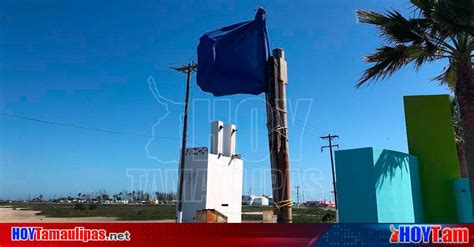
[[431, 138], [377, 186]]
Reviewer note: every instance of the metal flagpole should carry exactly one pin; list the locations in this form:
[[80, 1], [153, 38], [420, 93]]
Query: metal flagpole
[[188, 70]]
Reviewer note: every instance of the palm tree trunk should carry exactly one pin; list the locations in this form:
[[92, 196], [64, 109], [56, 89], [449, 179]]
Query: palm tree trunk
[[465, 96], [462, 161], [459, 137]]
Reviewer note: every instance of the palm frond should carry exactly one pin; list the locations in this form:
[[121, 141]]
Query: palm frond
[[425, 7], [448, 17], [442, 29], [394, 27], [425, 53], [387, 60], [448, 77]]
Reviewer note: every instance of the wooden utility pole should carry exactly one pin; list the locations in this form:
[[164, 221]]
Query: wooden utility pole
[[302, 193], [297, 196], [278, 135], [188, 70], [330, 146]]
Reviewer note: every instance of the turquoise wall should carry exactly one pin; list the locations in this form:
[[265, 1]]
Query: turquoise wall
[[377, 185], [355, 186], [463, 200], [416, 189], [397, 187]]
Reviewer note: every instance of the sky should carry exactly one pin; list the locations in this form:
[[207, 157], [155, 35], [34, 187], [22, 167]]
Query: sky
[[106, 66]]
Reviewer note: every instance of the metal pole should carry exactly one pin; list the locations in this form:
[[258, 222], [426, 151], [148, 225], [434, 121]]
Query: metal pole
[[329, 137], [187, 70]]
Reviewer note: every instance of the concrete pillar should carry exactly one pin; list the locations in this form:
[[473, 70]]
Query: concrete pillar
[[229, 140], [216, 137]]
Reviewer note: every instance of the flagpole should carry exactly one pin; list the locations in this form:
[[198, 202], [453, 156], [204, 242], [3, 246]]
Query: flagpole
[[188, 70], [278, 136]]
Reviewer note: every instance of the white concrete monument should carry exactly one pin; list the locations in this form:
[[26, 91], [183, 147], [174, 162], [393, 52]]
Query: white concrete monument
[[213, 179]]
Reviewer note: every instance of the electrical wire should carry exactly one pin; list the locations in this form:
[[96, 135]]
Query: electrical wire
[[89, 128]]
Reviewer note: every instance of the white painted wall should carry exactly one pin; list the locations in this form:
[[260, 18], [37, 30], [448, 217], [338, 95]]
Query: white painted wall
[[224, 186], [195, 179], [217, 129], [230, 133], [260, 201], [212, 182]]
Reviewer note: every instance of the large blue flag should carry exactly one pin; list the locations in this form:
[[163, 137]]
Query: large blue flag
[[233, 59]]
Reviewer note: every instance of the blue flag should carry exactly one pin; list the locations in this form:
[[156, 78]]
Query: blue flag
[[233, 59]]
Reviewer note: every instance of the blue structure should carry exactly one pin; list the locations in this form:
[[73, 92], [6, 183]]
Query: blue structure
[[233, 59], [377, 186], [462, 192]]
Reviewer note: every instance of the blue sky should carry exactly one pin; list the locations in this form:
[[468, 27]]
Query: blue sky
[[89, 64]]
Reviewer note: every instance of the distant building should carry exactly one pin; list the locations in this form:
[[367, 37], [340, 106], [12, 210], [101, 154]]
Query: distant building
[[253, 200], [321, 203], [110, 201], [154, 201]]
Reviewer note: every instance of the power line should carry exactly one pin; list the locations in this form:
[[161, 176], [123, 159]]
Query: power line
[[305, 127], [118, 132], [292, 170], [310, 129], [87, 128]]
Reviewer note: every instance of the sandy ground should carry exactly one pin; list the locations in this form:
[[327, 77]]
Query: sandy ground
[[8, 214]]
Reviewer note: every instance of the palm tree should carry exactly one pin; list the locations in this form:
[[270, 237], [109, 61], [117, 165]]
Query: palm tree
[[458, 136], [437, 29]]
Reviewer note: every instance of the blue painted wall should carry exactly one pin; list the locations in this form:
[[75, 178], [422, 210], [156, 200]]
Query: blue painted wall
[[377, 185]]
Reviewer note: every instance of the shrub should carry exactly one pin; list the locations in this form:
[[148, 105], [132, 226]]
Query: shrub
[[329, 216], [79, 206]]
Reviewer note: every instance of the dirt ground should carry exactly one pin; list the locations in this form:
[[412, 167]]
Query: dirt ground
[[8, 214]]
